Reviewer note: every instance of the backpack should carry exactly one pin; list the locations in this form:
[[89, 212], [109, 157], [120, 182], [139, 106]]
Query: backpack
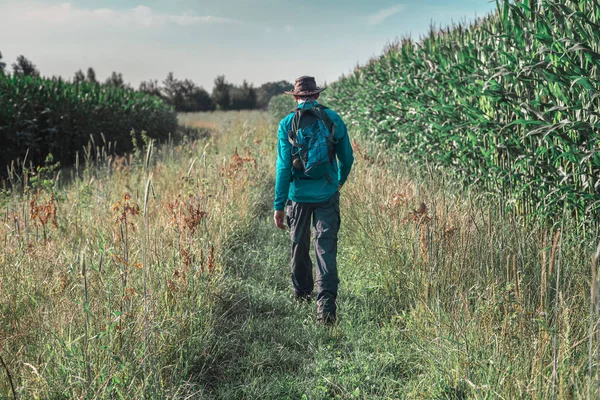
[[312, 136]]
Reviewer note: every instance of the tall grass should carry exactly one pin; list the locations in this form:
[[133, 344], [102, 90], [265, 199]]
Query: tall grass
[[497, 305], [108, 282], [179, 288]]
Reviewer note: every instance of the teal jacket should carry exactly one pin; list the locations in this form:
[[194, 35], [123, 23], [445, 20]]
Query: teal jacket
[[310, 190]]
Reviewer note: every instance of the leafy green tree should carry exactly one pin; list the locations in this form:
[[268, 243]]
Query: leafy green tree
[[185, 95], [170, 89], [90, 77], [150, 87], [249, 94], [220, 93], [116, 80], [242, 97], [79, 77], [2, 65], [266, 91], [195, 98], [25, 67]]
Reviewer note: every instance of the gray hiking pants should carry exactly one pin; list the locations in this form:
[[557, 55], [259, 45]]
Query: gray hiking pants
[[326, 224]]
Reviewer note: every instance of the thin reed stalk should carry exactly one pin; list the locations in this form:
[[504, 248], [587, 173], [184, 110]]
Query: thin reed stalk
[[594, 310], [147, 357], [8, 375]]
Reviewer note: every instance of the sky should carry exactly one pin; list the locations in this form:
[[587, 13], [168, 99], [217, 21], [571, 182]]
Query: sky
[[256, 40]]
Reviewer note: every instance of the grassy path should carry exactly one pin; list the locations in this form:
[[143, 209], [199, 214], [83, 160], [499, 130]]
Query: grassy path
[[440, 298], [184, 293], [393, 339], [271, 347]]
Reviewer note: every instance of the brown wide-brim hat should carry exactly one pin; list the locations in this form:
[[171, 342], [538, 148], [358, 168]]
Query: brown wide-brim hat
[[305, 86]]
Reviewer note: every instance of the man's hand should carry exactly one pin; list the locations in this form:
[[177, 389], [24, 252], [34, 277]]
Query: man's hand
[[278, 217]]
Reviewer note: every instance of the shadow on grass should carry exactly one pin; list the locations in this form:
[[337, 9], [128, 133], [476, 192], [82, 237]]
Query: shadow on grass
[[259, 346]]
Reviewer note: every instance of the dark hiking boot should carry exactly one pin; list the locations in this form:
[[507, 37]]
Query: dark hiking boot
[[326, 319], [326, 310], [308, 297]]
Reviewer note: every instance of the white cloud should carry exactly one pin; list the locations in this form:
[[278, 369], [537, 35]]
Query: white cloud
[[66, 13], [140, 42], [382, 15], [289, 28]]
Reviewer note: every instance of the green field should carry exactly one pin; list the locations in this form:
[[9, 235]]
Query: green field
[[508, 104], [468, 248], [42, 116], [180, 289]]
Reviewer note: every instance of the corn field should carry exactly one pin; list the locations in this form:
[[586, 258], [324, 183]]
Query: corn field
[[40, 116], [510, 103]]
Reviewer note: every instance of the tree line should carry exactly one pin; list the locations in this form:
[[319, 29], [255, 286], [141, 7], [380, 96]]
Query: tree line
[[183, 94]]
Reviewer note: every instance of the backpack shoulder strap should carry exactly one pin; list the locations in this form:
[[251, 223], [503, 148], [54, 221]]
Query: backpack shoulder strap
[[322, 114], [295, 125], [319, 111]]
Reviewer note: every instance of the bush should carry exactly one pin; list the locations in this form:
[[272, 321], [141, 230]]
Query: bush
[[50, 116], [266, 91], [280, 106]]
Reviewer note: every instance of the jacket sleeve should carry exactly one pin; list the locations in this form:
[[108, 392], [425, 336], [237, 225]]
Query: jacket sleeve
[[283, 176], [344, 151]]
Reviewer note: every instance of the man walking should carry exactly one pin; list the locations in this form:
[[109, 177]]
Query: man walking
[[314, 158]]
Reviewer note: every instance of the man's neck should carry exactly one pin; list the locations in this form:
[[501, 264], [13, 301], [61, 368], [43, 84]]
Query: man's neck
[[305, 101]]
